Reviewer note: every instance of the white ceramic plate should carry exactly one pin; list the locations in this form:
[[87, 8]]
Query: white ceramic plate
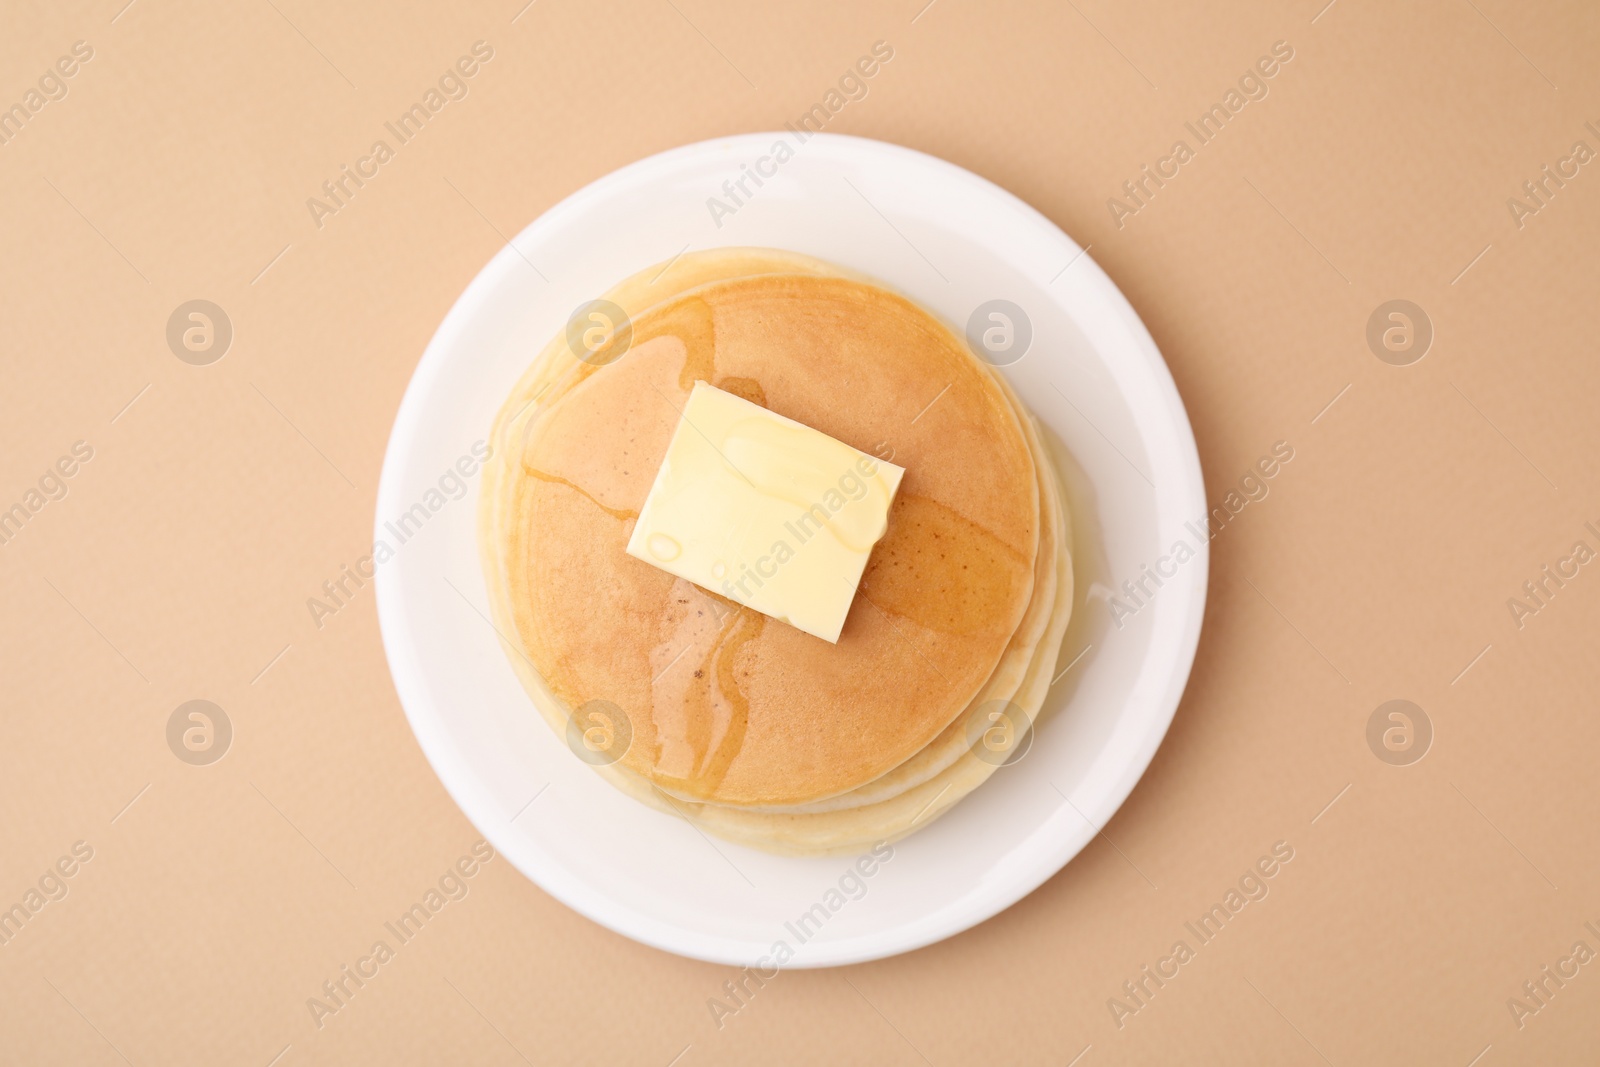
[[952, 241]]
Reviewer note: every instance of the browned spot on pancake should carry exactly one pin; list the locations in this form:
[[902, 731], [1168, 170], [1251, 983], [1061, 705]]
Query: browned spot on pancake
[[748, 388], [939, 569]]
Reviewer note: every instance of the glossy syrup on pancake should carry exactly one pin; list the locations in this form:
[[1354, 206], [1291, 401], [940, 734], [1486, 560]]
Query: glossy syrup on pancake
[[727, 706]]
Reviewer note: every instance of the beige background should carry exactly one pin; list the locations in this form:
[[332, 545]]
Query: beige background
[[178, 565]]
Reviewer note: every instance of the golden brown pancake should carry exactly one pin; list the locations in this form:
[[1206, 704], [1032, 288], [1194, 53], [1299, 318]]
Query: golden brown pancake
[[760, 713], [906, 795]]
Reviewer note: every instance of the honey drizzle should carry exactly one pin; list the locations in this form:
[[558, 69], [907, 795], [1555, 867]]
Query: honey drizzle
[[617, 513], [718, 677]]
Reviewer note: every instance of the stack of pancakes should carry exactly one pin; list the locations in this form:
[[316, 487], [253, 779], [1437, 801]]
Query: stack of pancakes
[[747, 727]]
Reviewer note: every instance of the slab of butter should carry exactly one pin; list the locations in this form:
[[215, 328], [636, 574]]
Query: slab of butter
[[765, 511]]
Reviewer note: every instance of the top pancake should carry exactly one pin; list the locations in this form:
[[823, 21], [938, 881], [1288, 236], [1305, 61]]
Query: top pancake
[[725, 705]]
